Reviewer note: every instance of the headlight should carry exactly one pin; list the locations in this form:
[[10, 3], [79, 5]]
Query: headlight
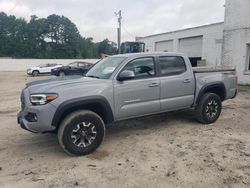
[[40, 99]]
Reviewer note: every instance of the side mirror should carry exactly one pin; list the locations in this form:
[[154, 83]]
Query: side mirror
[[126, 75]]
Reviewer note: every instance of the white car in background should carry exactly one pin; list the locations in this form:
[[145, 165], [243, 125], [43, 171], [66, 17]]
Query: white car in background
[[42, 69]]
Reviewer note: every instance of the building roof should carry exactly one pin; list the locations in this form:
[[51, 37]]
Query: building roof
[[190, 28]]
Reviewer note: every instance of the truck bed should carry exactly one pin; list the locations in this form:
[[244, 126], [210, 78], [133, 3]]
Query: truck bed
[[213, 69]]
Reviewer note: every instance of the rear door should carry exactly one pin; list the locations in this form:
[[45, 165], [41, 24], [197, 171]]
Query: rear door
[[44, 68], [140, 95], [177, 83]]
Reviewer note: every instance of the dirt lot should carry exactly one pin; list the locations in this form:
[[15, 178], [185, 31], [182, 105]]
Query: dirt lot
[[167, 150]]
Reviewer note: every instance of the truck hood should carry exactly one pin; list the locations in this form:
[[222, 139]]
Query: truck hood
[[61, 83], [56, 79]]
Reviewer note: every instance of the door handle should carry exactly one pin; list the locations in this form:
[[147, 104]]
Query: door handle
[[187, 81], [153, 84]]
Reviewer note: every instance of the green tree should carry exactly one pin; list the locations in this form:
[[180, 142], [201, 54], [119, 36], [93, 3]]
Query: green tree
[[51, 37], [12, 35], [62, 36], [35, 31], [107, 47]]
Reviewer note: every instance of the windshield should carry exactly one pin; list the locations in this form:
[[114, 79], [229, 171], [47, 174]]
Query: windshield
[[105, 68]]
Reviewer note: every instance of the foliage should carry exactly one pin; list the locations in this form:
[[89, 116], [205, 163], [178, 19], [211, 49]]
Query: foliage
[[51, 37]]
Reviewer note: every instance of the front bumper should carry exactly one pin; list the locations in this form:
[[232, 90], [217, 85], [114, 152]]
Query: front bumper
[[44, 115], [22, 122], [29, 72], [55, 72]]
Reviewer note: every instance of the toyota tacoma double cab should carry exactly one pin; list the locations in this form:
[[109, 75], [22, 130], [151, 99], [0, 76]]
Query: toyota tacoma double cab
[[122, 87]]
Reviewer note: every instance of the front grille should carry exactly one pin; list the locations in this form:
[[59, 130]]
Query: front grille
[[22, 101]]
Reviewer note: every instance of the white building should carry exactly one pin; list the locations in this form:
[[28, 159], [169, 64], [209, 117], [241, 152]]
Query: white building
[[224, 43], [236, 38]]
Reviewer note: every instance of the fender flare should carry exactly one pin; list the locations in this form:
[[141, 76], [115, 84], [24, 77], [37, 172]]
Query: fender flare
[[210, 86], [83, 103]]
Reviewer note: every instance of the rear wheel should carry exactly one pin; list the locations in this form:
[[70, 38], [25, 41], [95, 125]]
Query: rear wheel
[[209, 108], [81, 132], [35, 73]]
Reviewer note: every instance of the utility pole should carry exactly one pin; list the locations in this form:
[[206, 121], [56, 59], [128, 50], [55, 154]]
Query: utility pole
[[119, 29]]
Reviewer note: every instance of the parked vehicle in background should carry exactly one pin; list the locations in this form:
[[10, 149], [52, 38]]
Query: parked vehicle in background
[[122, 87], [75, 68], [42, 69]]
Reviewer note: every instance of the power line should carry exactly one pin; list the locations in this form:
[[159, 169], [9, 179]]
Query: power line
[[126, 30]]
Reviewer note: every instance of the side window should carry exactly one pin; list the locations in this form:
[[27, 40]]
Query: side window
[[172, 65], [44, 65], [142, 67], [82, 65], [89, 65], [248, 57], [73, 64]]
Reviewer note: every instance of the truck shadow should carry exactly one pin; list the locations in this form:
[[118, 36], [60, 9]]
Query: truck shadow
[[169, 119]]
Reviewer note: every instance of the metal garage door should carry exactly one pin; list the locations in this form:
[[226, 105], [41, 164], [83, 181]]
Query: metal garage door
[[192, 46], [164, 46]]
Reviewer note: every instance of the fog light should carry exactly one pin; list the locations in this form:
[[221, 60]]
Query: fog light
[[31, 117]]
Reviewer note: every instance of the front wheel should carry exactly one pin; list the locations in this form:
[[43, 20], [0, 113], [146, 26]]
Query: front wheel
[[209, 108], [81, 132], [35, 73], [61, 73]]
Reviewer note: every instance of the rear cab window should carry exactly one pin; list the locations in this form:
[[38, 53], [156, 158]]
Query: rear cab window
[[171, 65]]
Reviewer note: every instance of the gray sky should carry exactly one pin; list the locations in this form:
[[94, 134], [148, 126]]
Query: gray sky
[[96, 18]]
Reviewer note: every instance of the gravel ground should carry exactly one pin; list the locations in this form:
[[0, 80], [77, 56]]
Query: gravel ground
[[166, 150]]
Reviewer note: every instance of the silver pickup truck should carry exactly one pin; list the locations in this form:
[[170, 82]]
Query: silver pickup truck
[[121, 87]]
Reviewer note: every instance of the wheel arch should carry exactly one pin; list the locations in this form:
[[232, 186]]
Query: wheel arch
[[97, 104], [217, 88], [35, 70], [61, 70]]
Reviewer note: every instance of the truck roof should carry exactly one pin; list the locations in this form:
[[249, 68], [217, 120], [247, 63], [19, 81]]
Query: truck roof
[[131, 55]]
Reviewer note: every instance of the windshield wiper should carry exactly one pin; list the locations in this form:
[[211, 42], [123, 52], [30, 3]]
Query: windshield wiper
[[92, 76]]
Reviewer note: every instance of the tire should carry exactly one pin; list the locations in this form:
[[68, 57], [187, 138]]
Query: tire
[[35, 73], [61, 73], [81, 132], [209, 108]]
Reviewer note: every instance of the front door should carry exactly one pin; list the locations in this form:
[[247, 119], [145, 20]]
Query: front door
[[73, 69], [139, 95], [44, 68]]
